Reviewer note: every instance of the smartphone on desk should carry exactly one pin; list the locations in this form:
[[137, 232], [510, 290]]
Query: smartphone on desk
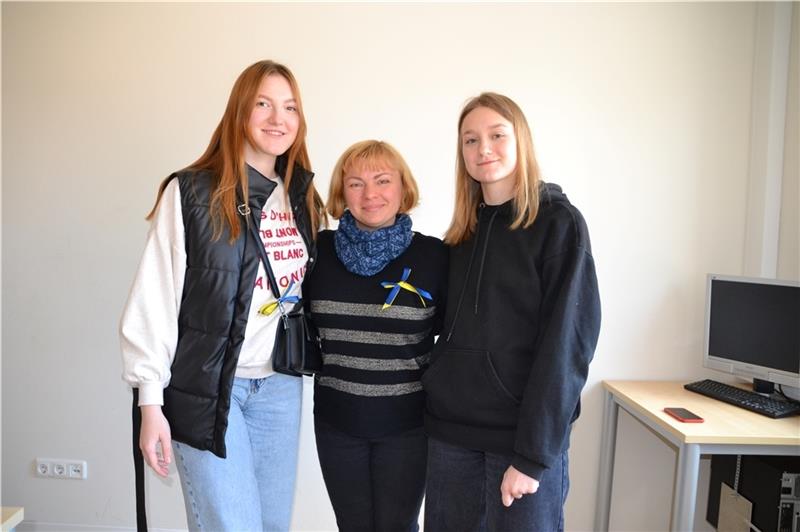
[[683, 415]]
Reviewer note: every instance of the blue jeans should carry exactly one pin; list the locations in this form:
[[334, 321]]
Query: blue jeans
[[253, 488], [375, 484], [463, 493]]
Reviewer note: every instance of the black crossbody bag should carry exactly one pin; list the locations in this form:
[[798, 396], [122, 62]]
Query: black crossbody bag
[[297, 350]]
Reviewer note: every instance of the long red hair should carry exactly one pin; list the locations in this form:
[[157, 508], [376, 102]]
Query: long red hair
[[224, 156]]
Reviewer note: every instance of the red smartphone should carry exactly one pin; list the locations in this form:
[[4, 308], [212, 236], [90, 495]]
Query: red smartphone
[[683, 415]]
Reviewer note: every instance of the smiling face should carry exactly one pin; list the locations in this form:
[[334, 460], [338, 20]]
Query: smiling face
[[373, 196], [273, 124], [489, 149]]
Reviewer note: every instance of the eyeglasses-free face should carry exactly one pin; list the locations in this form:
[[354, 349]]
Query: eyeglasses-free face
[[274, 121], [373, 196], [489, 149]]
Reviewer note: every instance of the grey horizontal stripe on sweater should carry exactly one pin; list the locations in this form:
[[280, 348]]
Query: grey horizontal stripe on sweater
[[398, 312], [370, 390], [374, 364], [371, 337]]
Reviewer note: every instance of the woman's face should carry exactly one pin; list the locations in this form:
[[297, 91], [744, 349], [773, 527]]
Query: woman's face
[[274, 120], [373, 196], [489, 148]]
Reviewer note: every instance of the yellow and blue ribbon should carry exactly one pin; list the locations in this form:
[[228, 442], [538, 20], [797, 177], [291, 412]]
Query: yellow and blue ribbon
[[269, 308], [404, 285]]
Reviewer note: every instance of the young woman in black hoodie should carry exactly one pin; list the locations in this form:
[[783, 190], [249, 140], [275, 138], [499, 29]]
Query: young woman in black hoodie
[[521, 326]]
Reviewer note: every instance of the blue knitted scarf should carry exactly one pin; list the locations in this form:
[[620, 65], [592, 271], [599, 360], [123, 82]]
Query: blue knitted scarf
[[366, 253]]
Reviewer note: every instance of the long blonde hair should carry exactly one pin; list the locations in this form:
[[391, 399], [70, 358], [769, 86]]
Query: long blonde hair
[[527, 178], [224, 156]]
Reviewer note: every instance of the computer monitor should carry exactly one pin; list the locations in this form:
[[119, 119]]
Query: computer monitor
[[753, 328]]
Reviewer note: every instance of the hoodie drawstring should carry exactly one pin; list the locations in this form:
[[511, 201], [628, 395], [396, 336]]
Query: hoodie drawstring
[[483, 259], [469, 269]]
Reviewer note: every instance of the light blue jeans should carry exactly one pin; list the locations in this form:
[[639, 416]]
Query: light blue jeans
[[253, 488]]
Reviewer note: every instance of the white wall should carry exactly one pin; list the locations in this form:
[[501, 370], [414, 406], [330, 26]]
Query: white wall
[[640, 111], [768, 128], [1, 261], [789, 243]]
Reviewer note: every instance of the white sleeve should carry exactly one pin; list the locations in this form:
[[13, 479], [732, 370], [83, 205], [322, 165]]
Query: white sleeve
[[148, 329]]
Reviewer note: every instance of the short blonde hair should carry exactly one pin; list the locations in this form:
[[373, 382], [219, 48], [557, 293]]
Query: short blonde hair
[[371, 155]]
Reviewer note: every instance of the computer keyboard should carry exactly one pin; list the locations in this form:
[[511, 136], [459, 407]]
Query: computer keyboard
[[744, 399]]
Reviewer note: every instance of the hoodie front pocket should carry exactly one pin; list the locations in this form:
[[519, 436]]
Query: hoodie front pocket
[[462, 387]]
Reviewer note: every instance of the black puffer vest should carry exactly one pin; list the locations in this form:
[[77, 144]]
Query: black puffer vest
[[217, 290]]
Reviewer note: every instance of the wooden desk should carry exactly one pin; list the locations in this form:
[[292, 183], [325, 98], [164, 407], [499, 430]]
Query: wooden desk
[[11, 517], [727, 430]]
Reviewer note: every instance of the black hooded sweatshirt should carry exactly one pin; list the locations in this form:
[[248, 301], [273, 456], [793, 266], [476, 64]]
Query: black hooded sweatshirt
[[521, 326]]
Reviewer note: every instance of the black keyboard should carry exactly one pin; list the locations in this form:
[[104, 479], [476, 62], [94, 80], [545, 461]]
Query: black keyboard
[[742, 398]]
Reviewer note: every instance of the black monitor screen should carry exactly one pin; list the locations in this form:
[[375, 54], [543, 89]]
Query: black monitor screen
[[755, 323]]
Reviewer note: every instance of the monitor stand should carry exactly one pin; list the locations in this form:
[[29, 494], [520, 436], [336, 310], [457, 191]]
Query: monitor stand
[[763, 387]]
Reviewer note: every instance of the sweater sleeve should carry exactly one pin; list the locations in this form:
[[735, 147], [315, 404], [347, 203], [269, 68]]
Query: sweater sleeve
[[148, 328], [568, 332]]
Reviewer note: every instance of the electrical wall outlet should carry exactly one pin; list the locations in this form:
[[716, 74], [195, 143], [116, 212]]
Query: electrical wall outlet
[[43, 468], [77, 470], [61, 468]]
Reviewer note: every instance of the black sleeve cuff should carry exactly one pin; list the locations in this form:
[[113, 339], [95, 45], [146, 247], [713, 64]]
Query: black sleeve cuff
[[529, 467]]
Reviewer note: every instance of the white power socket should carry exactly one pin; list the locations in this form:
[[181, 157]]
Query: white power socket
[[60, 468]]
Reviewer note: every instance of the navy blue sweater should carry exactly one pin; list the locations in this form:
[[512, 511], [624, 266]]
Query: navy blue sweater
[[522, 321], [374, 356]]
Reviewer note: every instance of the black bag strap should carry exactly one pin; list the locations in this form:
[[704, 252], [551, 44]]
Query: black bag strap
[[244, 210], [138, 464]]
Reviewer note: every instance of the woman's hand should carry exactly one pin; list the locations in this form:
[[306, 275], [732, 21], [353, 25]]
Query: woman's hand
[[155, 430], [516, 484]]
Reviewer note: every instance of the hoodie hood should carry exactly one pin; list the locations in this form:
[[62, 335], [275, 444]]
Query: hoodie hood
[[549, 194]]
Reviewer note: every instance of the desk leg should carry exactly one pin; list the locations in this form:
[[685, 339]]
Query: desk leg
[[685, 495], [608, 447]]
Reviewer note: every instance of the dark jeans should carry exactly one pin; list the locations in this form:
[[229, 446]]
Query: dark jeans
[[374, 484], [463, 493]]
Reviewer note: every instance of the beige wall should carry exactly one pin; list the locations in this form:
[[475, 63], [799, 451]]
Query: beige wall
[[1, 263], [789, 245], [640, 111]]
